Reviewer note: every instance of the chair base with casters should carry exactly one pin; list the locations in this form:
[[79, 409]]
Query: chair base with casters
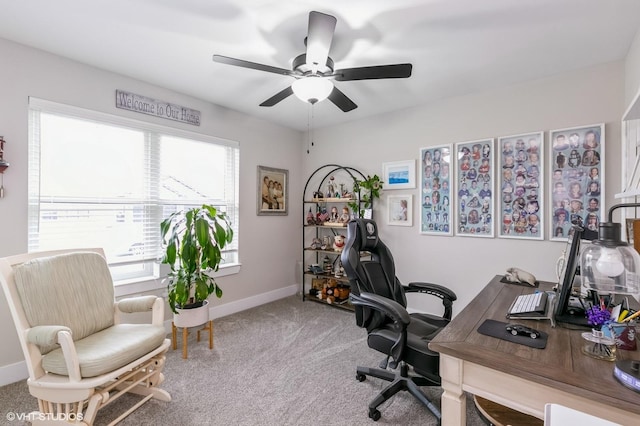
[[80, 354], [380, 307], [400, 380]]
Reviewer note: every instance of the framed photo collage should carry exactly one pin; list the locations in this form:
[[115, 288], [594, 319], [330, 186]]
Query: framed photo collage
[[510, 187]]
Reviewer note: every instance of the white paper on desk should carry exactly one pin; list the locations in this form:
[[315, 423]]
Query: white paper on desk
[[615, 312]]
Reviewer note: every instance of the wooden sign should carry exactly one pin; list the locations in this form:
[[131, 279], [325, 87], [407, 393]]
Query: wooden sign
[[144, 105]]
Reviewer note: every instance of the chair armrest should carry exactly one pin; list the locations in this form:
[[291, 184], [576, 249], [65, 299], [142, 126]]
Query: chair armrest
[[430, 288], [45, 335], [391, 309], [136, 304], [70, 356], [388, 307], [447, 295], [141, 304]]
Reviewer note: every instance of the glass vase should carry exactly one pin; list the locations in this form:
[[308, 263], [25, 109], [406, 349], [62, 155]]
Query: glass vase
[[598, 346]]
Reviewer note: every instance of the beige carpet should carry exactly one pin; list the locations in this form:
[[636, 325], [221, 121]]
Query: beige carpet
[[284, 363]]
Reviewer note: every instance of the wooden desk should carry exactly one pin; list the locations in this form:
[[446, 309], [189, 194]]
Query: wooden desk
[[521, 377]]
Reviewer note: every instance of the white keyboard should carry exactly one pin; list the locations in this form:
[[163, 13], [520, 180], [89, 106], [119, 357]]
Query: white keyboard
[[529, 303]]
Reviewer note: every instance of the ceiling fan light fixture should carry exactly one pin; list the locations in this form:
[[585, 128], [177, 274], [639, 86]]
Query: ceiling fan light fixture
[[312, 89]]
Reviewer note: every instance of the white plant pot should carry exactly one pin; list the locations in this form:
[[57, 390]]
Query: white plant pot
[[192, 317]]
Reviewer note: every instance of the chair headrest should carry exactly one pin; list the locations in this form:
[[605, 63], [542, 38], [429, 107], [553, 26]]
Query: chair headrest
[[368, 233]]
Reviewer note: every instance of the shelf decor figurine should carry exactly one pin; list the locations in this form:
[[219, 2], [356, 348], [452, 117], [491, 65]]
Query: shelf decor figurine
[[345, 216]]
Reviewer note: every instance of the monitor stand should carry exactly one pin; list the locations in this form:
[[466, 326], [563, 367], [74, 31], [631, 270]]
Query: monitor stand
[[579, 320]]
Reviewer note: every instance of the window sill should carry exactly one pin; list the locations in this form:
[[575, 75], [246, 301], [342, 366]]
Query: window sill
[[148, 284]]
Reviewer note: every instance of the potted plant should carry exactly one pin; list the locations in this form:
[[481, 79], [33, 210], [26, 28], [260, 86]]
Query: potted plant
[[373, 185], [192, 241]]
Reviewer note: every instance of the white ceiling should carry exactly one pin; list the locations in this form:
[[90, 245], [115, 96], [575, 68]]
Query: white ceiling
[[456, 46]]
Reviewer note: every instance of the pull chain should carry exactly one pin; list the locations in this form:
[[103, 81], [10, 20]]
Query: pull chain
[[312, 117], [309, 128]]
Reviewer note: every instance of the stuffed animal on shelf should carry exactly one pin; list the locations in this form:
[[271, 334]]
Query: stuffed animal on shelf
[[327, 290], [338, 242], [333, 292]]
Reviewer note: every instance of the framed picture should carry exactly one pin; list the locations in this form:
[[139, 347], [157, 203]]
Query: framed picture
[[576, 186], [435, 193], [399, 174], [521, 200], [474, 187], [272, 192], [400, 210]]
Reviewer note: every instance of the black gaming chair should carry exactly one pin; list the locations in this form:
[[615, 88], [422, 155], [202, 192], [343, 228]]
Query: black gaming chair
[[380, 306]]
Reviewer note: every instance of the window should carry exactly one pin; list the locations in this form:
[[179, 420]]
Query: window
[[97, 180]]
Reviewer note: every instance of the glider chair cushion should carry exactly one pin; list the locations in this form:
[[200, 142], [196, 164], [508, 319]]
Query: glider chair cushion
[[108, 349], [79, 353]]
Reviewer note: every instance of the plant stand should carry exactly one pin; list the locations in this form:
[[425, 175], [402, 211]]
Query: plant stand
[[185, 334]]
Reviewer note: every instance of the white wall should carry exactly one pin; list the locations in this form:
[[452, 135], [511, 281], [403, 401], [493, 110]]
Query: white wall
[[269, 245], [632, 71], [466, 264]]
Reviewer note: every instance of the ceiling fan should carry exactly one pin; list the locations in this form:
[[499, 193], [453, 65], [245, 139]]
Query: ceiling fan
[[314, 69]]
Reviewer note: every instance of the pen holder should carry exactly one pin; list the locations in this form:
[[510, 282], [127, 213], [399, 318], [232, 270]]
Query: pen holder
[[598, 346]]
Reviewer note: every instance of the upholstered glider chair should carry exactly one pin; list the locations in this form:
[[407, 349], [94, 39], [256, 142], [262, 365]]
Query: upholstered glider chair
[[80, 354], [380, 307]]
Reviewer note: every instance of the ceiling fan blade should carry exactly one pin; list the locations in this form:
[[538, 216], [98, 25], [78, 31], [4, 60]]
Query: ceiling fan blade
[[319, 37], [341, 100], [374, 72], [251, 65], [281, 95]]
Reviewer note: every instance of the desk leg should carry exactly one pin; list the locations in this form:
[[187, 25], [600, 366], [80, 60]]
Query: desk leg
[[453, 403]]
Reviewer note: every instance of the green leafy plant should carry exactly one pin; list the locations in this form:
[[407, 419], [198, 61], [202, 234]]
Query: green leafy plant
[[193, 241], [373, 186]]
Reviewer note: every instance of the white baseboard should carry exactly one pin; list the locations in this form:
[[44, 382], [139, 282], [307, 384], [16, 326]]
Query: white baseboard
[[15, 372], [252, 302], [247, 303]]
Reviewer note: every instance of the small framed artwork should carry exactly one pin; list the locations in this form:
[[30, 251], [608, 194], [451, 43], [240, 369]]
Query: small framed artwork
[[272, 191], [400, 210], [521, 200], [435, 190], [399, 174], [474, 187], [577, 180]]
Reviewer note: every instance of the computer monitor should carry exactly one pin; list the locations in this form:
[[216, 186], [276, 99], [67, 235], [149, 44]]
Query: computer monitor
[[564, 312]]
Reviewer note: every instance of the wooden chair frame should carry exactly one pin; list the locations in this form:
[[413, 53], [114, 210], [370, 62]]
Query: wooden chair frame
[[73, 399]]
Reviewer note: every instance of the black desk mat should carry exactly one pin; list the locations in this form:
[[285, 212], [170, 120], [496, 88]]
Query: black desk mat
[[496, 329], [506, 281]]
